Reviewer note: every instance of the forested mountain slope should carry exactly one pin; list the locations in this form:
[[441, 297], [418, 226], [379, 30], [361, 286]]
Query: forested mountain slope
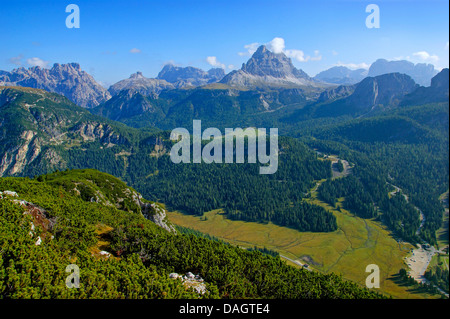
[[46, 226]]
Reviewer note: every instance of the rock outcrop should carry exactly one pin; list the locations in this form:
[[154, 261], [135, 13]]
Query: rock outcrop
[[192, 281], [266, 69], [189, 76], [65, 79], [437, 92], [137, 83]]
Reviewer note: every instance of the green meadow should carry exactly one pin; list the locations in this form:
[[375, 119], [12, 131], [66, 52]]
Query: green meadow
[[347, 251]]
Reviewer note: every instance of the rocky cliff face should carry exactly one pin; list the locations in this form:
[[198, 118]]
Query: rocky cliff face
[[35, 124], [266, 68], [157, 214], [65, 79], [336, 93], [385, 90], [371, 94], [189, 76], [438, 91], [140, 84]]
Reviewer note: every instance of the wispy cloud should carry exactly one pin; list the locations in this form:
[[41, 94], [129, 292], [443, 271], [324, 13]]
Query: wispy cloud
[[135, 51], [425, 56], [37, 62], [277, 45], [251, 48], [354, 66], [212, 60], [17, 60]]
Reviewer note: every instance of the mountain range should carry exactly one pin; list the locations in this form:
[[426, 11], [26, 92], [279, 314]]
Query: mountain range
[[341, 75], [263, 71], [65, 79], [189, 76], [421, 73], [390, 129]]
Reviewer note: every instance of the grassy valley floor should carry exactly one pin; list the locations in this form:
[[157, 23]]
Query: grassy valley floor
[[347, 251]]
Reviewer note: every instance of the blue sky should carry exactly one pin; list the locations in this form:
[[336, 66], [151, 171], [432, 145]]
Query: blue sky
[[117, 38]]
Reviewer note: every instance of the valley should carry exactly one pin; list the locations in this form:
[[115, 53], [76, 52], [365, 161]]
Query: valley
[[333, 205]]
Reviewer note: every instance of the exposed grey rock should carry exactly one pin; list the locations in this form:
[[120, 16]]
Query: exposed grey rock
[[52, 120], [157, 214], [386, 90], [189, 76], [266, 68], [371, 94], [152, 212], [336, 93], [438, 91], [190, 280], [137, 83], [65, 79]]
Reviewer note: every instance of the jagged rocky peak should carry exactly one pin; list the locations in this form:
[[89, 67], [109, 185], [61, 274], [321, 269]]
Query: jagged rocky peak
[[266, 68], [138, 83], [216, 73], [266, 63], [65, 79], [189, 76], [137, 75], [73, 65]]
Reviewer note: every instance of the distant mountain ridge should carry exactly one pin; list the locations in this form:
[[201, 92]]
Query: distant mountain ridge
[[421, 73], [264, 71], [65, 79], [341, 75], [140, 84], [189, 76]]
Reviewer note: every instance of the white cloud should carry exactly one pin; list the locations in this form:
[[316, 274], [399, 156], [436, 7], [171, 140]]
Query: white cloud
[[212, 60], [277, 45], [135, 50], [251, 48], [37, 62], [425, 56], [299, 55], [334, 52], [354, 66], [231, 67]]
